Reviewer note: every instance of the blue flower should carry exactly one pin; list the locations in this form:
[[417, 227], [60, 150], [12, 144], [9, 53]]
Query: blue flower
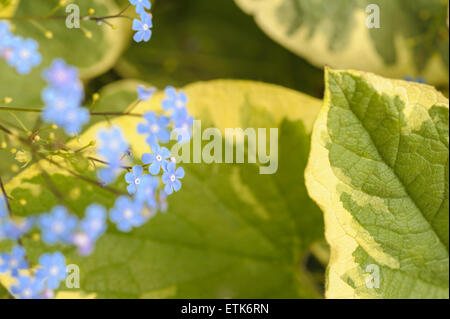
[[171, 178], [63, 97], [3, 208], [134, 178], [57, 104], [13, 262], [162, 201], [74, 119], [25, 55], [183, 127], [57, 226], [141, 5], [145, 94], [146, 193], [417, 80], [94, 223], [155, 128], [108, 175], [157, 159], [13, 230], [84, 243], [143, 28], [175, 102], [27, 288], [112, 146], [5, 36], [8, 43], [61, 76], [127, 214], [52, 269]]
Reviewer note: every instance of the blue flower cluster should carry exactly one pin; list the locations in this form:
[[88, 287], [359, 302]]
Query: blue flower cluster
[[147, 195], [63, 97], [148, 184], [21, 54], [56, 227], [143, 25], [33, 284]]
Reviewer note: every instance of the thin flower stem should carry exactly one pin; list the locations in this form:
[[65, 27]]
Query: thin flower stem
[[8, 206], [106, 163], [84, 178], [63, 17], [43, 157], [30, 110]]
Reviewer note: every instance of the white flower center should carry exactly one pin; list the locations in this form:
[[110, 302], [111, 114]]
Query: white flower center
[[128, 214], [81, 240], [13, 263], [173, 178], [155, 128], [61, 76], [145, 27], [58, 227], [114, 145], [25, 54], [158, 158], [179, 104], [137, 181], [96, 225], [54, 271], [27, 293], [60, 104]]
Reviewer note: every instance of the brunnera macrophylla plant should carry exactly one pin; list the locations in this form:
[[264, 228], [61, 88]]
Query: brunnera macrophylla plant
[[149, 180]]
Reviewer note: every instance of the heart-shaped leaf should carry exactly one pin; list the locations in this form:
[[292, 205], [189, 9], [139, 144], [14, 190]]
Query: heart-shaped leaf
[[379, 169]]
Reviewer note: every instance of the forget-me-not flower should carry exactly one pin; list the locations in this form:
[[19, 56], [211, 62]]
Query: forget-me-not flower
[[127, 214], [142, 28], [94, 223], [183, 127], [174, 101], [112, 147], [74, 119], [155, 128], [145, 94], [27, 287], [25, 55], [60, 75], [134, 178], [171, 178], [57, 226], [13, 230], [141, 5], [146, 193], [14, 262], [3, 208], [52, 269], [157, 159]]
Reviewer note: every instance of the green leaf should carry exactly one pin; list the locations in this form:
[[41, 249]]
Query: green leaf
[[230, 232], [182, 50], [4, 294], [7, 7], [412, 39], [379, 169], [92, 56]]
